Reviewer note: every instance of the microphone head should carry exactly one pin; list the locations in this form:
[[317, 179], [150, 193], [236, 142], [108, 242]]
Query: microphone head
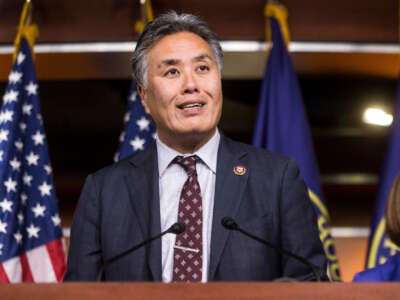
[[229, 223], [177, 228]]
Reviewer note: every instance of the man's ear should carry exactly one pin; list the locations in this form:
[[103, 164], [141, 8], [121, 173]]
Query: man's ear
[[143, 96]]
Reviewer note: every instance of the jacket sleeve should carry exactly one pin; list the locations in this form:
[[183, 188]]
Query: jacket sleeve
[[84, 255], [299, 228]]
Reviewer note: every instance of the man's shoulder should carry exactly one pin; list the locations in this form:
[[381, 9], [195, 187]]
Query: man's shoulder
[[127, 164], [256, 154]]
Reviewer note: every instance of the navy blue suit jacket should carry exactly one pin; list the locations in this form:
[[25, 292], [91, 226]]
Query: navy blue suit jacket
[[119, 208]]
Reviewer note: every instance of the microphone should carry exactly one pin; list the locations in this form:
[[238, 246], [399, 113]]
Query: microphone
[[231, 224], [176, 228]]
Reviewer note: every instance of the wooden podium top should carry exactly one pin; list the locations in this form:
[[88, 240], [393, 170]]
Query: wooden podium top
[[198, 291]]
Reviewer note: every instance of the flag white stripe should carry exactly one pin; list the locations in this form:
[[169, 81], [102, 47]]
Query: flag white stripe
[[40, 264], [13, 269], [64, 244]]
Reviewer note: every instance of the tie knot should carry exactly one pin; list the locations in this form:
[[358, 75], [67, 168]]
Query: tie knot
[[188, 163]]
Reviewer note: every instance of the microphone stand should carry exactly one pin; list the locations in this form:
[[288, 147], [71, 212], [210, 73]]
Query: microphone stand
[[176, 228], [231, 224]]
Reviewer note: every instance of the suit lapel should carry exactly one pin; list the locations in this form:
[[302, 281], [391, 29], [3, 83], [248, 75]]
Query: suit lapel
[[142, 183], [229, 188]]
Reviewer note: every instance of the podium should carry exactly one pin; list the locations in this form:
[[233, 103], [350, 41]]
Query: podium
[[199, 291]]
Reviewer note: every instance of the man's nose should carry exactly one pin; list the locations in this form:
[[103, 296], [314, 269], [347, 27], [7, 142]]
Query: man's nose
[[190, 83]]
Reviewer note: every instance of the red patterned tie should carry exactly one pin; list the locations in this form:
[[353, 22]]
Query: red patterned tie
[[188, 250]]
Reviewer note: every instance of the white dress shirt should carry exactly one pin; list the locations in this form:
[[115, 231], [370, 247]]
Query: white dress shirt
[[171, 180]]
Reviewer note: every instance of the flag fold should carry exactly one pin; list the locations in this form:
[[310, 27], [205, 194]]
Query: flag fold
[[139, 130]]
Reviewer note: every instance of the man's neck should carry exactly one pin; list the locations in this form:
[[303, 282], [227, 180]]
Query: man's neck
[[187, 144]]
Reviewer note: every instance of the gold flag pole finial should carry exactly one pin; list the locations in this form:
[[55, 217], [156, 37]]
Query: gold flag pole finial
[[28, 18], [275, 9], [146, 13], [26, 28]]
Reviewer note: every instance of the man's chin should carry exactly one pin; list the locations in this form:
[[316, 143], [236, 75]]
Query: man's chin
[[195, 132], [194, 135]]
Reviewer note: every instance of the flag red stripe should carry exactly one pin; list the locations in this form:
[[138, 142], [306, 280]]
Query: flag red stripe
[[57, 257], [26, 269], [3, 275]]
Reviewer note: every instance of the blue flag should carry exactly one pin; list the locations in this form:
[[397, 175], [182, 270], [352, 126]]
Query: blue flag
[[380, 247], [282, 127], [139, 131], [31, 246]]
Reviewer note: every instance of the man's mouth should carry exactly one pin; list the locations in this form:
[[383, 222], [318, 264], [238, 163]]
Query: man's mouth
[[190, 105]]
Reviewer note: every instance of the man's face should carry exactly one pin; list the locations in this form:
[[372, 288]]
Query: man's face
[[183, 95]]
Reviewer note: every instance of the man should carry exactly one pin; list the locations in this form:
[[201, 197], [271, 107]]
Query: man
[[194, 175]]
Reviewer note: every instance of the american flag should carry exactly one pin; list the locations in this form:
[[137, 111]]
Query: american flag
[[31, 244], [139, 131]]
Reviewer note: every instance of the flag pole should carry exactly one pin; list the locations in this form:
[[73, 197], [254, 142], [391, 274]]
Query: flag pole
[[26, 28], [28, 19], [146, 15], [398, 30], [275, 9]]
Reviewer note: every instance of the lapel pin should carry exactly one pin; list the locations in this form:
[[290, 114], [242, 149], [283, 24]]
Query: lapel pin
[[239, 170]]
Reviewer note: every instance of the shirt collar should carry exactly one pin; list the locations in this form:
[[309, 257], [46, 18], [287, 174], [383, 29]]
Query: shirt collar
[[208, 154]]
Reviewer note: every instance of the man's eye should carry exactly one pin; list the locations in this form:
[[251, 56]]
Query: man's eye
[[203, 68], [171, 72]]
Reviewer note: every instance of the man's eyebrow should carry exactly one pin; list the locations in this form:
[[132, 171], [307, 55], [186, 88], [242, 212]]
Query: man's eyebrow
[[174, 61], [169, 62], [202, 57]]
